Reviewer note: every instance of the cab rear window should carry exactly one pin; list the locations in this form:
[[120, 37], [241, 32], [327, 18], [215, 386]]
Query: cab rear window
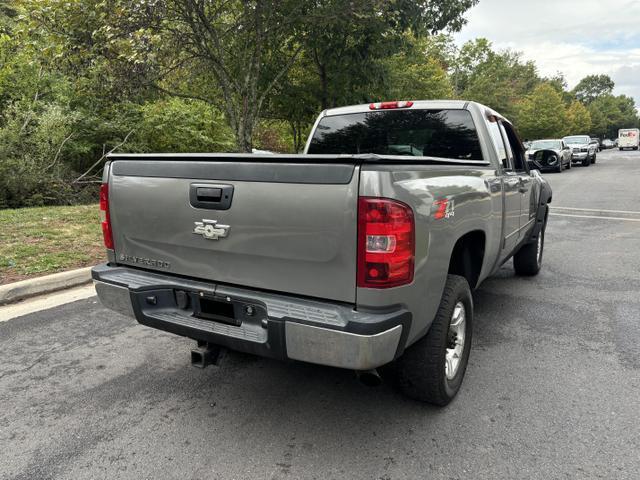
[[419, 133]]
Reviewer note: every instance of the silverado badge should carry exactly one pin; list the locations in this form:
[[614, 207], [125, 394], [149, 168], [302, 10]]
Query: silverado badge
[[211, 229]]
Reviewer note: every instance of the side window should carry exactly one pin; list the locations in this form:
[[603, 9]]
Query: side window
[[498, 143], [514, 147], [507, 144]]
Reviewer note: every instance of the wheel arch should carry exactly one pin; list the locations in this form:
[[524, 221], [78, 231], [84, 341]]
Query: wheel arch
[[467, 256]]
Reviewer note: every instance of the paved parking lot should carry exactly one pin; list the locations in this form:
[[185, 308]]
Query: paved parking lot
[[552, 389]]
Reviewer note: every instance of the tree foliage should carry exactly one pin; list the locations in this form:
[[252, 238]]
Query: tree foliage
[[413, 73], [497, 79], [610, 113], [79, 78], [592, 87], [578, 118], [542, 113]]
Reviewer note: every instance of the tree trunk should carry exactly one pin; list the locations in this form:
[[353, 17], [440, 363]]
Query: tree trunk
[[296, 130], [324, 83], [244, 134]]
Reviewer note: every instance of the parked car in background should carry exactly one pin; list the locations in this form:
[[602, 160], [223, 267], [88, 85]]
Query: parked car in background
[[582, 150], [596, 141], [607, 144], [552, 154], [628, 138]]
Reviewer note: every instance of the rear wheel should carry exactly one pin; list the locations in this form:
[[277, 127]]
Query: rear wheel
[[593, 160], [569, 163], [431, 370]]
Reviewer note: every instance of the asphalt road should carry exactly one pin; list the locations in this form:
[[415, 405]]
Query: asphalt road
[[552, 389]]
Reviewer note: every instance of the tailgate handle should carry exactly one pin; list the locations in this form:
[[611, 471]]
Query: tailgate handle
[[205, 194], [210, 196]]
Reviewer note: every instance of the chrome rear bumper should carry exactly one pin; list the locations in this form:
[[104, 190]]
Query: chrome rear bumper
[[285, 327]]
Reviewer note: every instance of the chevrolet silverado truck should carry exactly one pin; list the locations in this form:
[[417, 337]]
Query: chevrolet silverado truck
[[362, 253]]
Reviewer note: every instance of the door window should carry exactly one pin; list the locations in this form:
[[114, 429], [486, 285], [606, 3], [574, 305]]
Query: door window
[[513, 147], [498, 143]]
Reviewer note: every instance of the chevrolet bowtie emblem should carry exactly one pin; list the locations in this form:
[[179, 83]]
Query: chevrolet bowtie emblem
[[211, 230]]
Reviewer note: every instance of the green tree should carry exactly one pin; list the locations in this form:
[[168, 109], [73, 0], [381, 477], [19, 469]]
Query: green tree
[[542, 113], [578, 118], [347, 39], [180, 125], [497, 79], [348, 55], [592, 87], [233, 54], [471, 55], [295, 102], [414, 74], [610, 113]]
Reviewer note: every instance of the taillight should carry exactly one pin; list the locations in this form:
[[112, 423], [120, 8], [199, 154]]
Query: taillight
[[390, 105], [105, 219], [386, 243]]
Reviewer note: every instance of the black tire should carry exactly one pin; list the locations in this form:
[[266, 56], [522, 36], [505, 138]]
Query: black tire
[[420, 371], [559, 167], [593, 160], [528, 260], [586, 162], [569, 163], [620, 148]]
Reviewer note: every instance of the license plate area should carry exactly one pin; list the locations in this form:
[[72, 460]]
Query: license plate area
[[217, 309]]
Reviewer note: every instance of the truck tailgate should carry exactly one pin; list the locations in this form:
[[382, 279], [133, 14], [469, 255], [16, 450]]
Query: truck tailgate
[[288, 227]]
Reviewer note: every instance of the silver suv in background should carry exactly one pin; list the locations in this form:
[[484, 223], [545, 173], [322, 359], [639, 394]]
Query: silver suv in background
[[582, 149]]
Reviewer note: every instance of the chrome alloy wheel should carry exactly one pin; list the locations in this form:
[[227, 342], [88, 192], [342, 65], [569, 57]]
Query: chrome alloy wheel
[[456, 337]]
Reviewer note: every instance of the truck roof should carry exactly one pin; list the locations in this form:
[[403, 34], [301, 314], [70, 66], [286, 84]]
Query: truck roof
[[420, 104]]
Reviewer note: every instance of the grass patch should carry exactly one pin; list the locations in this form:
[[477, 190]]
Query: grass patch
[[42, 240]]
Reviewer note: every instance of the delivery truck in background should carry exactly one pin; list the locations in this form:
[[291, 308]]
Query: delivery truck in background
[[628, 138]]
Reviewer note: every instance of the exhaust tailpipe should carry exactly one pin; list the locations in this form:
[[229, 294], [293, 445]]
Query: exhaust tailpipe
[[370, 378]]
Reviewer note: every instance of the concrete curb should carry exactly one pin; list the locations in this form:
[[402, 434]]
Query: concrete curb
[[13, 292]]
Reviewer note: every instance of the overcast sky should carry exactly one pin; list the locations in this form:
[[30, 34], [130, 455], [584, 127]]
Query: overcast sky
[[575, 37]]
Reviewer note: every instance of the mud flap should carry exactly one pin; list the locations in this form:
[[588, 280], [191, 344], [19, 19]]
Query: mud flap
[[541, 215]]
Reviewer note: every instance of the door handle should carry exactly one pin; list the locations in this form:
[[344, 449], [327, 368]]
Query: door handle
[[523, 185]]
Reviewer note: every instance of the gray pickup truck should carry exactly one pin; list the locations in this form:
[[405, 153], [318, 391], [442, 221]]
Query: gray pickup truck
[[360, 253]]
